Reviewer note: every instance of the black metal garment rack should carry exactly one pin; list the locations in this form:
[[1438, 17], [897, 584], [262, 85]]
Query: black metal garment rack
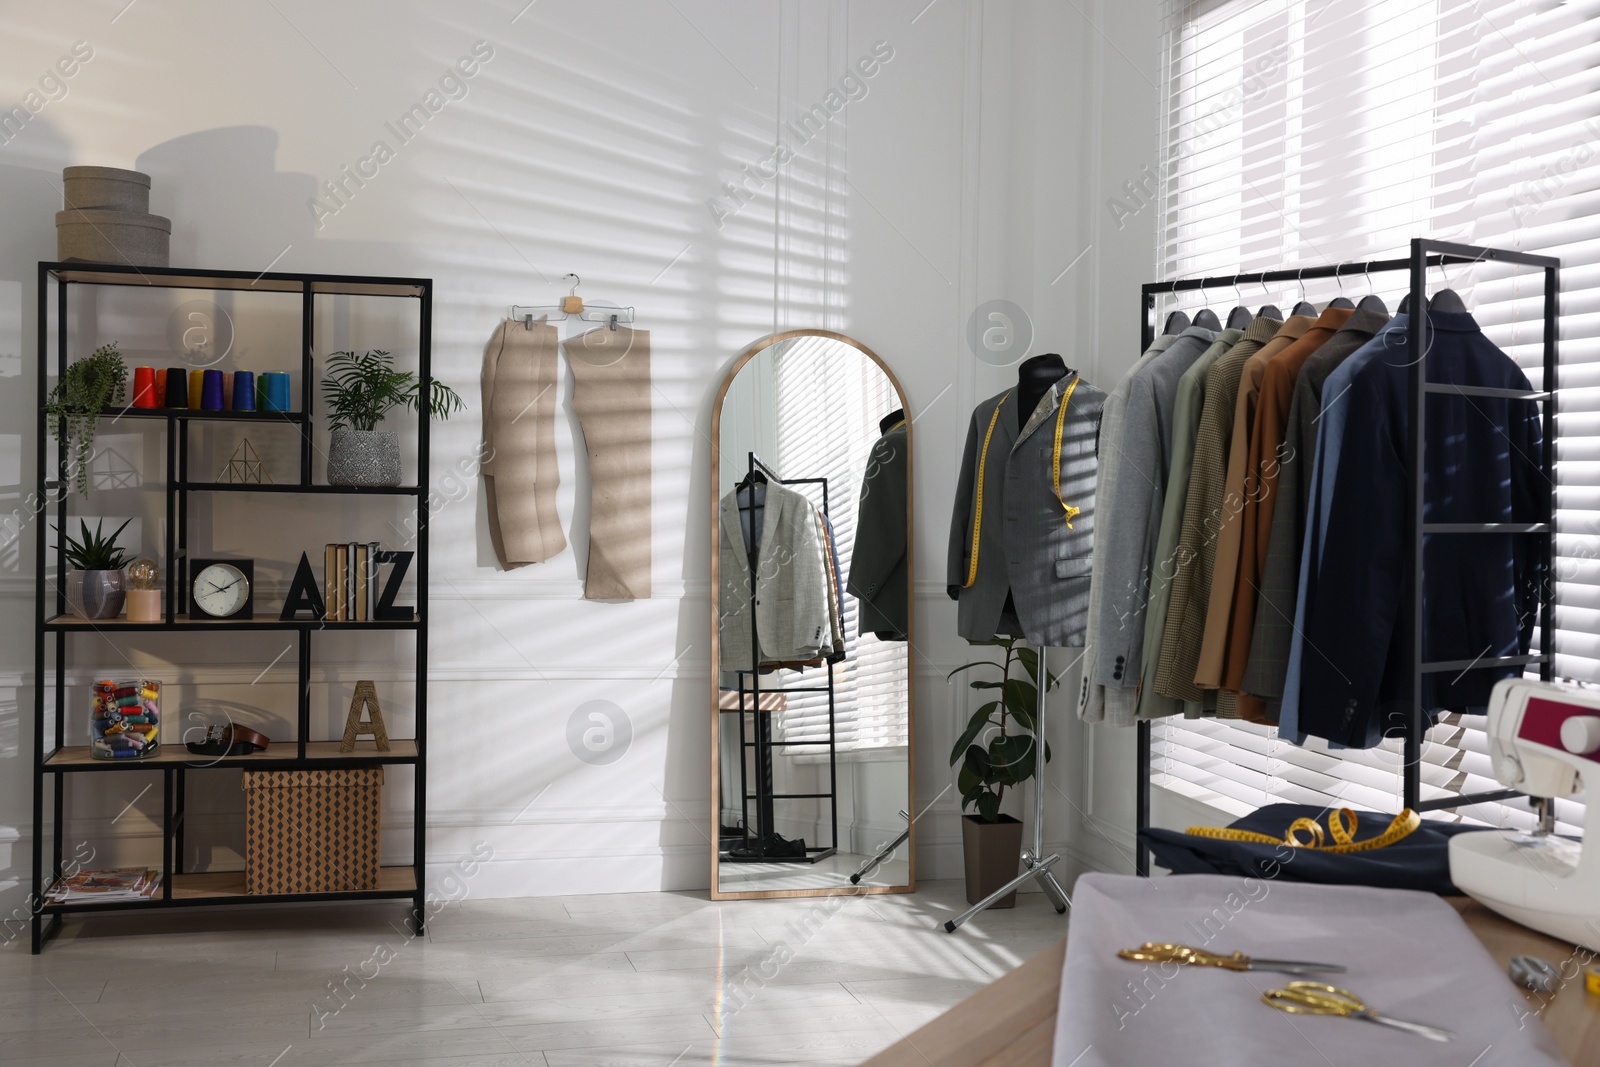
[[1425, 253], [750, 700]]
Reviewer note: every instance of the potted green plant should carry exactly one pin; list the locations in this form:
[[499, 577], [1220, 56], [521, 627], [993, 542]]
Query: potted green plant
[[992, 841], [95, 586], [359, 391], [86, 390]]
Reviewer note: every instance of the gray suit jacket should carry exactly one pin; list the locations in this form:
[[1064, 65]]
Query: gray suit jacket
[[791, 588], [1091, 694], [1131, 518], [1025, 547], [878, 557]]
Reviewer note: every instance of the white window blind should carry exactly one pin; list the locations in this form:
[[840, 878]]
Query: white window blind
[[827, 422], [1301, 133]]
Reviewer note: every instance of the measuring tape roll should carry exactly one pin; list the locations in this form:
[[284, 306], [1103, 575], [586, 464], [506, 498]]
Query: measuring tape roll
[[1341, 827]]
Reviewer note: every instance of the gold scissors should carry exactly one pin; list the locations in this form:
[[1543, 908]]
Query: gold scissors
[[1163, 952], [1314, 998]]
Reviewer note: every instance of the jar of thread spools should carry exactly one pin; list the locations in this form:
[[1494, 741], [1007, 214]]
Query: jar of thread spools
[[125, 719]]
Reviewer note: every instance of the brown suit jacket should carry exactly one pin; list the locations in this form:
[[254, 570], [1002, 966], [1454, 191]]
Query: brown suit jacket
[[1261, 498], [1230, 540], [1192, 563]]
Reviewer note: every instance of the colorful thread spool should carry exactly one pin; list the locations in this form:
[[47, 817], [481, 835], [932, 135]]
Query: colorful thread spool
[[124, 718], [274, 392], [144, 387], [244, 391], [197, 388], [211, 390]]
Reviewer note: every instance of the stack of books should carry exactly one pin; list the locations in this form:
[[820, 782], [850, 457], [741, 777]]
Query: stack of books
[[350, 581], [105, 885]]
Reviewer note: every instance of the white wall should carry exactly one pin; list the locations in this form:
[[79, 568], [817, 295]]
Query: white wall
[[976, 166]]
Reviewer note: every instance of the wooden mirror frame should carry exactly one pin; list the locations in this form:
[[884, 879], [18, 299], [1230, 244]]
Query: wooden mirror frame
[[716, 651]]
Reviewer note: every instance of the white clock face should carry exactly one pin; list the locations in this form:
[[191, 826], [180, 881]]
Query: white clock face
[[221, 590]]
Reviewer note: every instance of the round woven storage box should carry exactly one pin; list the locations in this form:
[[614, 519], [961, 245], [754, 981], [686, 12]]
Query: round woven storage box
[[106, 187], [95, 235]]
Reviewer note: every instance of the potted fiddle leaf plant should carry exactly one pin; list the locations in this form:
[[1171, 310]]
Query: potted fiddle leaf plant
[[95, 585], [359, 390], [997, 750], [87, 389]]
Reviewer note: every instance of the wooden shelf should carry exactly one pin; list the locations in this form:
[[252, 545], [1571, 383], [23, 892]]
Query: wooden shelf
[[202, 415], [280, 755], [229, 884], [296, 487], [239, 280], [59, 285], [227, 887], [184, 622]]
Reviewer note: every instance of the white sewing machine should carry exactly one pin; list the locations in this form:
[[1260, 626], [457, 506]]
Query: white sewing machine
[[1542, 739]]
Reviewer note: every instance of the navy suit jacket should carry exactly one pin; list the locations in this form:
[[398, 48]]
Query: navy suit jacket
[[1480, 591]]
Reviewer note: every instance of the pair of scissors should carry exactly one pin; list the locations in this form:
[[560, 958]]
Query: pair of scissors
[[1314, 998], [1163, 952]]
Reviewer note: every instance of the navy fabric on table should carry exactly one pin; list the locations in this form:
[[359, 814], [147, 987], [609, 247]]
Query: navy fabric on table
[[1420, 860]]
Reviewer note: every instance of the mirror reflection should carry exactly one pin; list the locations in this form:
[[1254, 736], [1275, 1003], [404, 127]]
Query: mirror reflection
[[813, 613]]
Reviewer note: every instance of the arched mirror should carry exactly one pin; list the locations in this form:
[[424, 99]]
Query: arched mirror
[[811, 785]]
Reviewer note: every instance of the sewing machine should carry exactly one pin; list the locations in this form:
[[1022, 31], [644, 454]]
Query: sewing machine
[[1543, 739]]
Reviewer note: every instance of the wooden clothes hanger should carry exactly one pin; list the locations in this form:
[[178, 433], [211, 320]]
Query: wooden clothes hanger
[[573, 306]]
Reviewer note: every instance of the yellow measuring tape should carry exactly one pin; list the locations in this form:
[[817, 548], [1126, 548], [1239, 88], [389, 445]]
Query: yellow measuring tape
[[1341, 827], [977, 518], [1055, 467], [983, 463]]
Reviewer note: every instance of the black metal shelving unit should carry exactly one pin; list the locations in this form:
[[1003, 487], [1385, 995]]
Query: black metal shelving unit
[[54, 758], [1425, 253], [763, 745]]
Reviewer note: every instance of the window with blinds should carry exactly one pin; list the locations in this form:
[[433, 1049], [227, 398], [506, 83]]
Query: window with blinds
[[1300, 133], [827, 423]]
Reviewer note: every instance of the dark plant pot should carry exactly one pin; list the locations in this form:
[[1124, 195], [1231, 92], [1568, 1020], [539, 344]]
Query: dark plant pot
[[993, 851], [96, 594], [364, 457]]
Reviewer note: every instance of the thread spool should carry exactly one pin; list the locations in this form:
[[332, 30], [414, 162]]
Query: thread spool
[[144, 387], [177, 389], [197, 388], [244, 391], [211, 390]]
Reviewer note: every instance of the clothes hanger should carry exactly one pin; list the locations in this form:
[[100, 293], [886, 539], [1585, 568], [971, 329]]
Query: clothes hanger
[[1240, 316], [1177, 322], [1447, 300], [1341, 301], [1207, 319], [1304, 307], [572, 306], [1372, 301]]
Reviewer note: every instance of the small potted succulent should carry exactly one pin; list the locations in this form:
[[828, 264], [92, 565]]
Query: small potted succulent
[[359, 391], [1008, 756], [86, 391], [95, 586]]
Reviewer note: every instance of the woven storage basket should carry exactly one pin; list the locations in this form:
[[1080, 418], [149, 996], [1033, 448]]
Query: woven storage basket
[[98, 235], [312, 831], [105, 187]]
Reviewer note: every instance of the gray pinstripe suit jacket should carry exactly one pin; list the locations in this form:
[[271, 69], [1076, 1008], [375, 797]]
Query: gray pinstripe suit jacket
[[1025, 547]]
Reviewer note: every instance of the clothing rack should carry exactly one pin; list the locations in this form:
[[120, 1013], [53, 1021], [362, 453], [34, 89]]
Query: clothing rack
[[763, 743], [1425, 253]]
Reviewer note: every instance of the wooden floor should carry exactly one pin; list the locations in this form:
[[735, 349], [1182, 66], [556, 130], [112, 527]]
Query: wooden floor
[[647, 979], [1012, 1023]]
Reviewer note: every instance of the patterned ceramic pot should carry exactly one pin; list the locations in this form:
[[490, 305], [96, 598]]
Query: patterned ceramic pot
[[96, 594], [364, 457]]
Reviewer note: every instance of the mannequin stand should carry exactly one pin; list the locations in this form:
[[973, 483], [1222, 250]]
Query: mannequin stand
[[1034, 863]]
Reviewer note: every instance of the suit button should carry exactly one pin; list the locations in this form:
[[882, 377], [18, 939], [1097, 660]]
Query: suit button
[[1117, 674], [1119, 661]]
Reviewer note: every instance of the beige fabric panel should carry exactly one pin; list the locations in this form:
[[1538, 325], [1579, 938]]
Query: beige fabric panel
[[520, 475], [611, 394]]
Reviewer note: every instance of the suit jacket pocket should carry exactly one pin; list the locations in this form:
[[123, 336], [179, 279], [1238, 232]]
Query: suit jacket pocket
[[1074, 566]]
